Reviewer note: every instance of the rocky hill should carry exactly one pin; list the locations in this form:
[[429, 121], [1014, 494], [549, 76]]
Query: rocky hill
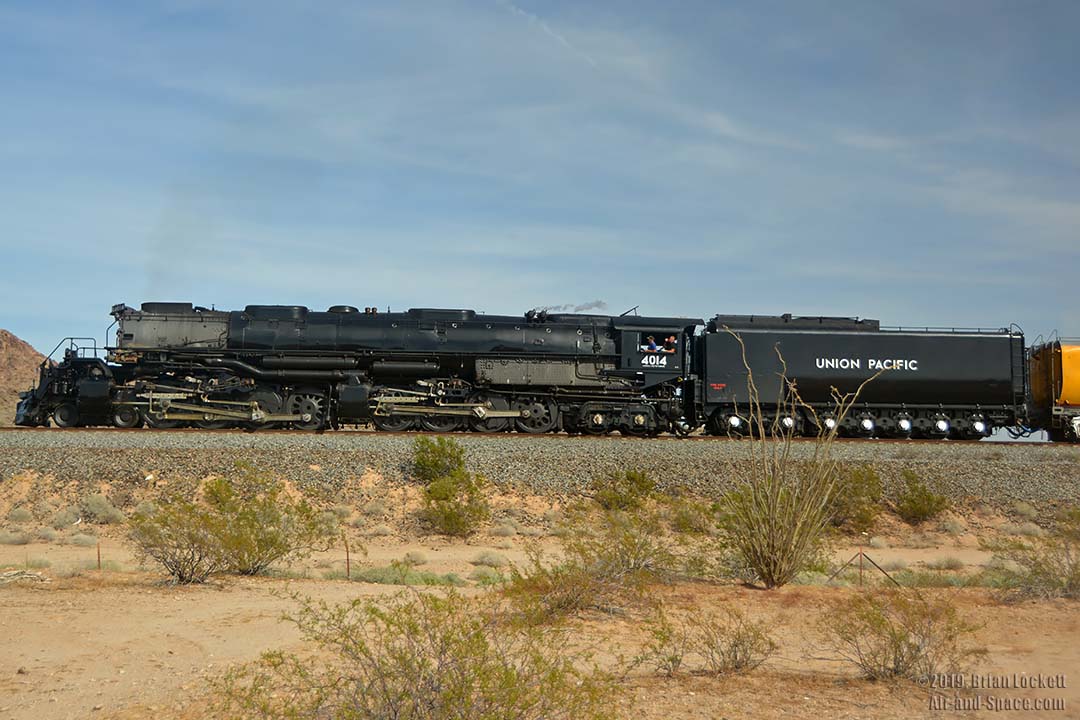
[[18, 371]]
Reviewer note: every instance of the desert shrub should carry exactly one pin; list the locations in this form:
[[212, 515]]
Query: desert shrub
[[381, 530], [435, 458], [421, 656], [706, 643], [1046, 566], [490, 559], [731, 642], [375, 508], [691, 517], [953, 526], [182, 536], [607, 563], [623, 490], [914, 578], [47, 534], [455, 504], [856, 499], [83, 540], [668, 643], [397, 573], [415, 558], [20, 515], [243, 525], [145, 507], [37, 563], [879, 543], [64, 518], [1025, 510], [97, 509], [260, 525], [14, 537], [917, 502], [503, 530], [484, 575], [898, 633], [1028, 529], [342, 512], [946, 563]]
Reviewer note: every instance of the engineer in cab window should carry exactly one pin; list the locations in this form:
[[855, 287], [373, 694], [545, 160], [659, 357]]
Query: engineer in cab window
[[669, 344], [650, 345]]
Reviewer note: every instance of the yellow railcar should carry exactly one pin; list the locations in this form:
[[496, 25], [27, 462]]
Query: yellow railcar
[[1054, 370]]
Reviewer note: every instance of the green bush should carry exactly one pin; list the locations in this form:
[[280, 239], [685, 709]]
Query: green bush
[[455, 504], [399, 573], [1046, 566], [260, 525], [897, 633], [917, 501], [625, 490], [242, 526], [435, 458], [97, 509], [421, 656], [856, 499], [182, 536]]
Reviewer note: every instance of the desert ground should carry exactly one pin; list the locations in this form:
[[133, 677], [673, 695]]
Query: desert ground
[[115, 638]]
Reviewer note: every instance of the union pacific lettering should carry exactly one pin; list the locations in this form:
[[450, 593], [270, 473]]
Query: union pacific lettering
[[835, 363]]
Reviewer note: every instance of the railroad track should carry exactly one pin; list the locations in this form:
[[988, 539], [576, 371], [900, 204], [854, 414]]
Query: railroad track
[[496, 436]]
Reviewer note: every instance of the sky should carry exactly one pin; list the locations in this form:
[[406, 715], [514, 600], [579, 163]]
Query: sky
[[915, 162]]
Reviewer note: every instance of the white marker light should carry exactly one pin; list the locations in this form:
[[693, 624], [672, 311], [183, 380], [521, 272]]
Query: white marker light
[[905, 425], [942, 426], [867, 424], [734, 421], [980, 426], [788, 422], [830, 423]]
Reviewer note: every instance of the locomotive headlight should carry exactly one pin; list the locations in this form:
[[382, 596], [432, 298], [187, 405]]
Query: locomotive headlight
[[867, 424], [905, 425], [788, 422], [942, 426], [830, 423], [979, 425], [734, 421]]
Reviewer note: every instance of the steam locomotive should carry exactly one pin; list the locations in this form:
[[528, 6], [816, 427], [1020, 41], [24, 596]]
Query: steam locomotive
[[176, 364]]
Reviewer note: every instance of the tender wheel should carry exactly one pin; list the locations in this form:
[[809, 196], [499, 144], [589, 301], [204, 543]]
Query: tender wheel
[[393, 423], [490, 402], [67, 415], [127, 416], [538, 415], [310, 405]]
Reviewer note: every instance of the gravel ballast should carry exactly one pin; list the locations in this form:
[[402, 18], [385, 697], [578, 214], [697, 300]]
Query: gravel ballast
[[555, 465]]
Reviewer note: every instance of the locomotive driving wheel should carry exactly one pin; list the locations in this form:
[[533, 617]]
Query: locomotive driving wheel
[[312, 408], [489, 401], [538, 415], [440, 423], [392, 423]]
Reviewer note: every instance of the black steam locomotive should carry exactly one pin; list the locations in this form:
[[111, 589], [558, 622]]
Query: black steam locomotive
[[443, 370]]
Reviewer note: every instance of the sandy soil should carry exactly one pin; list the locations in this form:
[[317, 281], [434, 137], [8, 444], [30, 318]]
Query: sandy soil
[[122, 644]]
